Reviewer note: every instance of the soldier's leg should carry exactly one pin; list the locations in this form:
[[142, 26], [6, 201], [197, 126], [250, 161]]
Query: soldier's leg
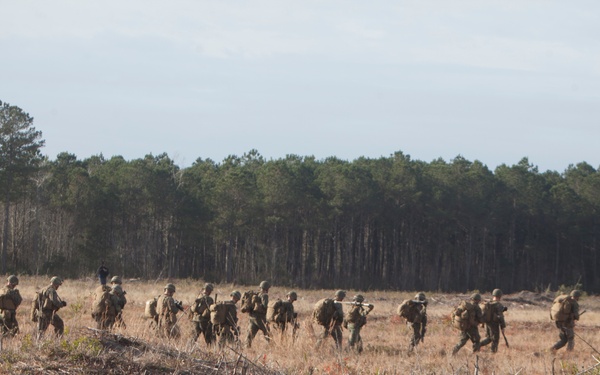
[[488, 336], [207, 330], [563, 339], [197, 331], [322, 337], [262, 326], [495, 331], [336, 333], [570, 333], [416, 334], [59, 325], [463, 338], [252, 331], [475, 338]]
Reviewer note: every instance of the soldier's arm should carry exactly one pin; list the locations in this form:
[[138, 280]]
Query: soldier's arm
[[53, 297], [265, 300], [16, 297], [575, 311]]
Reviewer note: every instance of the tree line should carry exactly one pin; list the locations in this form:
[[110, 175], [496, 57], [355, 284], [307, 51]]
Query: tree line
[[371, 223]]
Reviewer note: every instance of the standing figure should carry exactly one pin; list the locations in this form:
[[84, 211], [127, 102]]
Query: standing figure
[[167, 308], [355, 320], [102, 273], [332, 325], [418, 319], [108, 308], [564, 312], [49, 304], [258, 315], [120, 293], [227, 331], [466, 317], [496, 322], [287, 315], [201, 314], [10, 299]]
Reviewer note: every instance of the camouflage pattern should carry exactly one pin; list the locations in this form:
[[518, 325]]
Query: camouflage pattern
[[335, 330], [493, 328], [118, 291], [257, 320], [227, 333], [50, 304], [354, 321], [472, 332], [566, 327], [107, 319], [419, 325], [11, 299], [167, 310], [201, 316]]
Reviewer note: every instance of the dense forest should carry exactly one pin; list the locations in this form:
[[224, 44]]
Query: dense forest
[[385, 223]]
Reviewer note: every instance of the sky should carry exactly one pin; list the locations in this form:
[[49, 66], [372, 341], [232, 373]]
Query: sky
[[493, 81]]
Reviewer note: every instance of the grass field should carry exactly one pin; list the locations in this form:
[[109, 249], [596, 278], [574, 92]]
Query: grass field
[[386, 337]]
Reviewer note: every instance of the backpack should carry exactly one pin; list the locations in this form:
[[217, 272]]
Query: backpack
[[409, 310], [218, 313], [199, 307], [35, 307], [6, 303], [464, 316], [324, 312], [275, 310], [249, 301], [101, 302], [561, 308], [487, 312], [150, 310]]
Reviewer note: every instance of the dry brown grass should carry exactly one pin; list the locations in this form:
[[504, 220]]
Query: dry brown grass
[[386, 337]]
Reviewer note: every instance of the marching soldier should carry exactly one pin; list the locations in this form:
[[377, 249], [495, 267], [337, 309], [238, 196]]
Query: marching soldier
[[9, 302], [355, 320], [470, 330], [566, 322], [497, 324], [336, 325], [201, 314], [167, 308], [228, 331], [120, 293], [258, 316], [110, 309], [49, 304], [419, 321]]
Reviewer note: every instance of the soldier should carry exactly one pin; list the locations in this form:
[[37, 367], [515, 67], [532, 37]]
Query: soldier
[[355, 320], [102, 273], [419, 320], [50, 303], [470, 330], [566, 325], [336, 324], [10, 299], [201, 314], [287, 314], [110, 309], [167, 308], [258, 316], [228, 331], [493, 328], [120, 293]]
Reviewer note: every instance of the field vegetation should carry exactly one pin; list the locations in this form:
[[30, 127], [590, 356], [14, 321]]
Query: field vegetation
[[136, 349]]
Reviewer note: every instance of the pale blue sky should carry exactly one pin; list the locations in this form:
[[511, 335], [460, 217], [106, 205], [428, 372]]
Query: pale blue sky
[[493, 81]]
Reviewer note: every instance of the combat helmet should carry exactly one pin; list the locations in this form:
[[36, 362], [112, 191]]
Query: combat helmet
[[575, 294], [420, 296], [340, 294], [209, 286], [293, 295], [56, 280], [476, 297], [264, 285], [358, 298], [497, 293], [116, 280], [13, 279], [236, 294], [170, 287], [117, 289]]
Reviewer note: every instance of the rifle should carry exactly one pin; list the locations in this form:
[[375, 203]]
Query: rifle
[[505, 340]]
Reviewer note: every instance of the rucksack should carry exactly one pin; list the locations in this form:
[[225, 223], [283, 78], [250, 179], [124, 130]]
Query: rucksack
[[464, 316], [150, 310], [324, 312], [35, 307], [200, 307], [274, 311], [6, 303], [561, 308], [101, 302], [408, 309], [249, 300], [221, 311], [487, 312]]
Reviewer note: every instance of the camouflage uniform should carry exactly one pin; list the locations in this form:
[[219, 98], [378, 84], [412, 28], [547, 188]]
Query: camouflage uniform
[[419, 323], [287, 314], [201, 315], [355, 320], [228, 332], [338, 319], [116, 280], [167, 310], [10, 301], [50, 304], [258, 316], [567, 327], [493, 328], [107, 318], [472, 332]]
